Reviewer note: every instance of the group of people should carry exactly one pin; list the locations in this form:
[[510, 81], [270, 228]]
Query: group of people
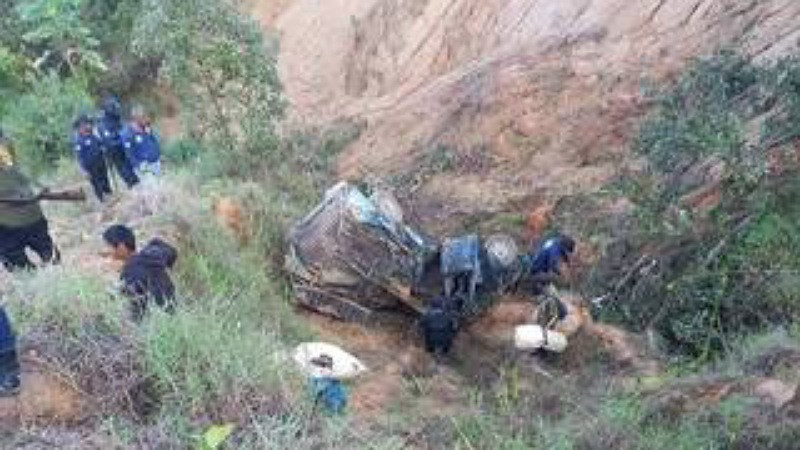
[[439, 325], [144, 278], [133, 149]]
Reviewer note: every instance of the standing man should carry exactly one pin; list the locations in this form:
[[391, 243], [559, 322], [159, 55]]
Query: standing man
[[110, 131], [22, 223], [142, 145], [90, 156]]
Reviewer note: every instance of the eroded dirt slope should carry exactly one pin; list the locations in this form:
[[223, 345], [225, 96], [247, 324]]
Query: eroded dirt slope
[[475, 105]]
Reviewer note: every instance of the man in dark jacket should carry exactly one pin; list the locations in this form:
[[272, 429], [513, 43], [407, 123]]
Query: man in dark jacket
[[9, 364], [439, 326], [110, 132], [144, 275], [22, 223], [89, 151]]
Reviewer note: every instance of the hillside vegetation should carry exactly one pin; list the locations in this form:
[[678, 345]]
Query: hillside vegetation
[[684, 198]]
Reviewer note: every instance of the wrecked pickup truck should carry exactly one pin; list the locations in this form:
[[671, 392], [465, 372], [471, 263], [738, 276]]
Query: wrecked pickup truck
[[354, 255]]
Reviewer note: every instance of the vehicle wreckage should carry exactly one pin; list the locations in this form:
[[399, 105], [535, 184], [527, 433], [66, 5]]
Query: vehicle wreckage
[[354, 255]]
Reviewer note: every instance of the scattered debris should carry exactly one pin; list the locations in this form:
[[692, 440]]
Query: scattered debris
[[324, 360], [535, 337]]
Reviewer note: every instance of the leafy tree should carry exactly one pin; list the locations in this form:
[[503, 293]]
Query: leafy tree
[[13, 77], [56, 32], [225, 75]]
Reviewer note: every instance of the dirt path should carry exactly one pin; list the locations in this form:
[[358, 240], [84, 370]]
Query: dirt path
[[44, 397]]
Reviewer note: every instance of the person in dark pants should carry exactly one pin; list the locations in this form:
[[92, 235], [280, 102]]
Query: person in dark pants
[[110, 132], [22, 223], [90, 157], [144, 277], [9, 363], [439, 326]]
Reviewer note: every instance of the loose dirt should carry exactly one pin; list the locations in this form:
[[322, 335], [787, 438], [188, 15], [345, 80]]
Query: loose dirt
[[45, 397]]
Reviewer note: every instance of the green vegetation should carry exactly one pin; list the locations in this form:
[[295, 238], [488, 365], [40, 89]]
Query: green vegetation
[[41, 120], [729, 267], [51, 62], [225, 75], [215, 375]]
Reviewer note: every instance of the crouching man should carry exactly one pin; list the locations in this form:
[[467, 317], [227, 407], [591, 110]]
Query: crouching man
[[9, 365], [144, 276]]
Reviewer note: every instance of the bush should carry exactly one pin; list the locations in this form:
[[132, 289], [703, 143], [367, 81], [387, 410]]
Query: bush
[[13, 77], [217, 62], [40, 122], [735, 269]]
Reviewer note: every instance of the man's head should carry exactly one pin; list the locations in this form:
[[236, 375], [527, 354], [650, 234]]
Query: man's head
[[111, 107], [121, 242], [567, 243], [83, 124], [140, 118]]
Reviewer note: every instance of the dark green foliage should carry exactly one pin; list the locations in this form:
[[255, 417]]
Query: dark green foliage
[[783, 124], [699, 115], [14, 74], [40, 120], [57, 37], [735, 269], [218, 64], [53, 54]]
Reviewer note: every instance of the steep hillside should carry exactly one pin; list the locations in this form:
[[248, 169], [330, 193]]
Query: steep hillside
[[491, 103]]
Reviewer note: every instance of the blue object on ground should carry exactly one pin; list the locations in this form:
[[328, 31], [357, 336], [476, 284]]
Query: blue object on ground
[[331, 393]]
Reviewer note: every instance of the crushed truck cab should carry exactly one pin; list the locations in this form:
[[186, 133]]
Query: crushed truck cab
[[354, 254]]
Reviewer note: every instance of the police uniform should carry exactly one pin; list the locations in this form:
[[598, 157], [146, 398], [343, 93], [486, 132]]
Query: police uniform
[[143, 149], [90, 156], [110, 132], [22, 225], [550, 255]]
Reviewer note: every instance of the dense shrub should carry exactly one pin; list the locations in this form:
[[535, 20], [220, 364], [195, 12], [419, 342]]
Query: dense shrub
[[218, 63], [40, 121], [734, 268]]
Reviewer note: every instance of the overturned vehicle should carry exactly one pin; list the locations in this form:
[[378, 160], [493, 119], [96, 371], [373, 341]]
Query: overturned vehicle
[[354, 255]]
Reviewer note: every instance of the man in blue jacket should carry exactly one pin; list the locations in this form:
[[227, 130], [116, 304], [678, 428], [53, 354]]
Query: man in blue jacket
[[89, 151], [551, 253], [142, 145], [110, 132]]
